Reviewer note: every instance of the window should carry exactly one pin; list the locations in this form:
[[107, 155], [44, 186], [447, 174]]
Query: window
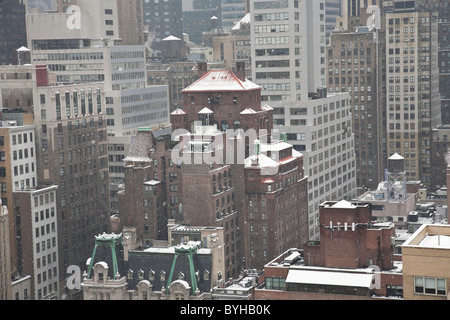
[[434, 286]]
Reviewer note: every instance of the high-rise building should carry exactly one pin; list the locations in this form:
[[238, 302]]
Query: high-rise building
[[234, 46], [129, 23], [163, 19], [412, 75], [95, 52], [333, 12], [18, 171], [201, 16], [13, 32], [321, 129], [288, 48], [443, 10], [291, 69], [36, 209], [232, 12], [354, 60], [71, 137], [242, 194]]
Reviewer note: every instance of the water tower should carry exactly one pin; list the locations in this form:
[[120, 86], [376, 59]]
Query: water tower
[[395, 178]]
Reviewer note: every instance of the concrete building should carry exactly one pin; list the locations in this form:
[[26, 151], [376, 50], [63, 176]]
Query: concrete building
[[354, 66], [16, 92], [128, 25], [333, 11], [321, 129], [439, 156], [234, 46], [19, 172], [87, 55], [176, 75], [425, 256], [413, 104], [290, 68], [291, 65], [232, 12], [72, 139], [38, 242]]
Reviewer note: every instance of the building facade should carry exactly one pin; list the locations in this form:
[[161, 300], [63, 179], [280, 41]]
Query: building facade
[[321, 129], [19, 167], [353, 66], [72, 139], [217, 109], [424, 257], [162, 20], [412, 74], [38, 242], [291, 65]]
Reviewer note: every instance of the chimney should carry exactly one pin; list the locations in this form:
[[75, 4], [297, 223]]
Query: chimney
[[202, 69], [240, 70]]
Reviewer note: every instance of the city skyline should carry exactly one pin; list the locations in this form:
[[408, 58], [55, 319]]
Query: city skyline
[[173, 149]]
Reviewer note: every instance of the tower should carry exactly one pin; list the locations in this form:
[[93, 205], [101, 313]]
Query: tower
[[395, 177]]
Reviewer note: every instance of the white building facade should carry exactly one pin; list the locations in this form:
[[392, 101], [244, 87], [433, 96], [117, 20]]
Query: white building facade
[[45, 240], [288, 48], [321, 130]]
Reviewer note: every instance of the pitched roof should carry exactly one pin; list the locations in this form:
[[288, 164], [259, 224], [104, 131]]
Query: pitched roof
[[221, 80]]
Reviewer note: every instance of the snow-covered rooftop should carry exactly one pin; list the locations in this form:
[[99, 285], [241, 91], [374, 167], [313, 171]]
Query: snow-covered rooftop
[[245, 19], [396, 156], [260, 161], [435, 241], [248, 111], [205, 110], [344, 204], [170, 38], [347, 279], [221, 80], [178, 111]]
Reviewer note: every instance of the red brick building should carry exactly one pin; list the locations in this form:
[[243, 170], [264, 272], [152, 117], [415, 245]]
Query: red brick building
[[258, 197], [348, 238]]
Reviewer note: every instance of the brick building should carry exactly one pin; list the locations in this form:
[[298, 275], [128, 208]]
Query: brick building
[[349, 239], [257, 195], [354, 260]]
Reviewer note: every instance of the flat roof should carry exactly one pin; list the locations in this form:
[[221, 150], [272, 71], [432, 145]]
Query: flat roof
[[435, 241], [345, 279]]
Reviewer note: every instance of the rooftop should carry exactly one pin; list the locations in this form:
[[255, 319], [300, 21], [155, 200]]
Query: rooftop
[[430, 236], [221, 80]]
